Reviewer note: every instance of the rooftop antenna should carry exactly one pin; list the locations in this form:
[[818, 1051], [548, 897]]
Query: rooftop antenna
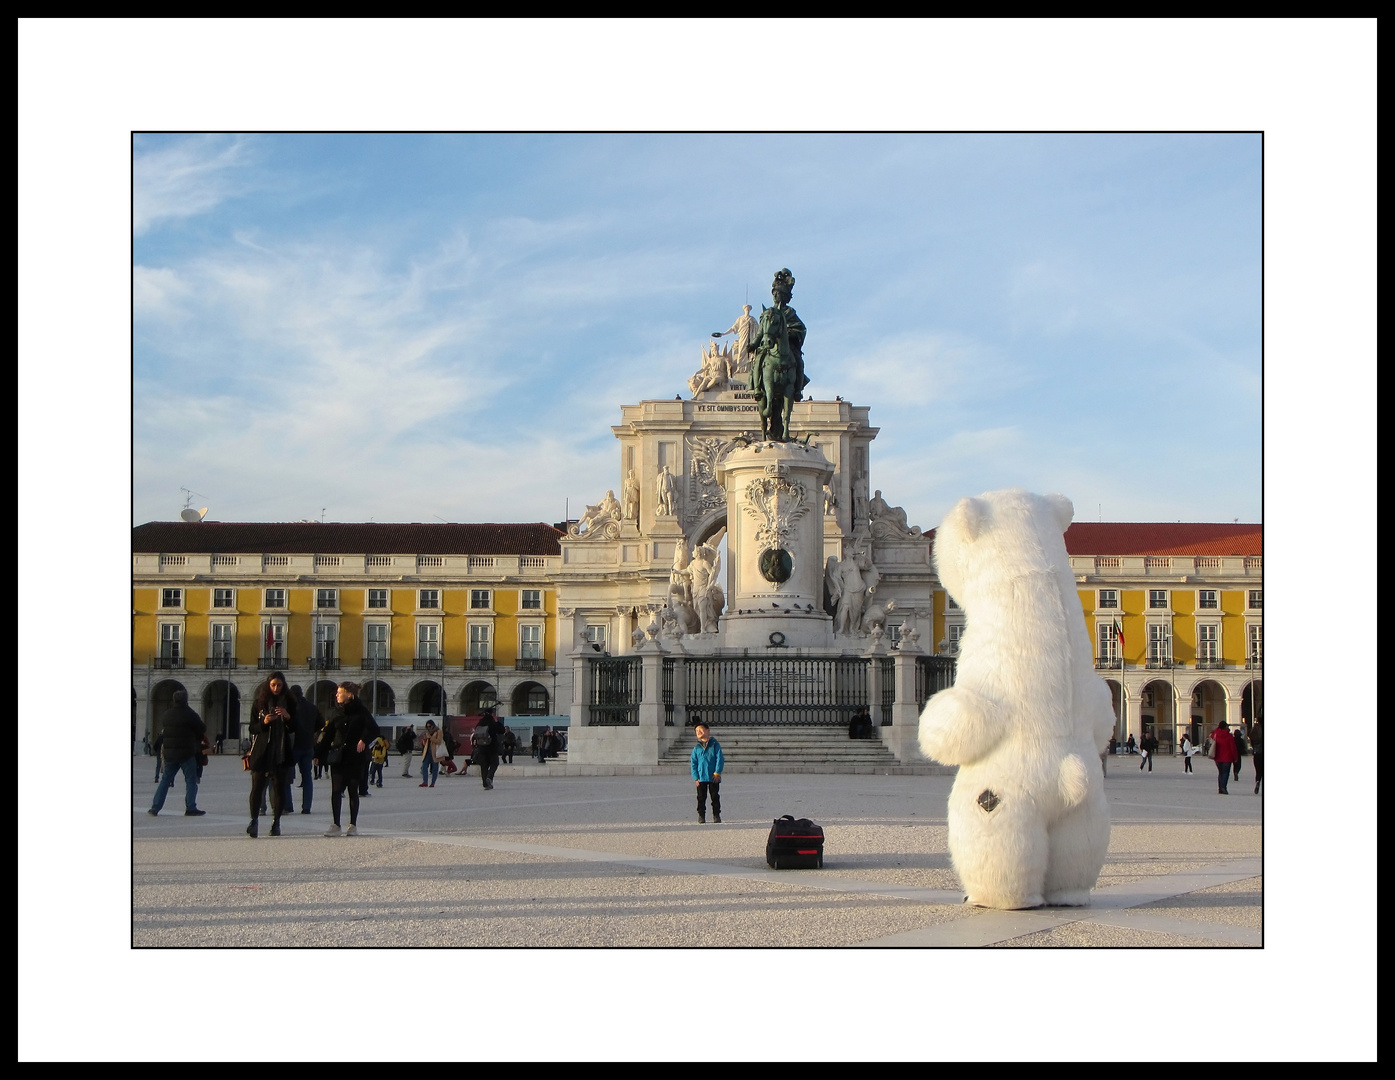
[[189, 514]]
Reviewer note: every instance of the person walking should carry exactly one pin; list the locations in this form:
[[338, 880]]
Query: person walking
[[406, 744], [1224, 756], [348, 733], [430, 747], [1257, 750], [306, 716], [1239, 736], [1149, 746], [448, 746], [484, 743], [1187, 751], [379, 759], [705, 763], [273, 750], [507, 749], [181, 734], [1130, 747]]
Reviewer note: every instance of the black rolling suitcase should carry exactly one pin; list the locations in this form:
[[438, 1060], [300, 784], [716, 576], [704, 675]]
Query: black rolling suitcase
[[794, 844]]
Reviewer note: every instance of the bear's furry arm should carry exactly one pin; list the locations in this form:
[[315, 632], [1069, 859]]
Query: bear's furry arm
[[960, 726]]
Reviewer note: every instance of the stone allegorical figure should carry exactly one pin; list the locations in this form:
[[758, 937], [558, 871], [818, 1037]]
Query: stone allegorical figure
[[606, 512], [666, 493], [777, 365], [630, 491], [860, 507], [745, 329], [707, 596], [830, 501], [889, 522], [715, 373]]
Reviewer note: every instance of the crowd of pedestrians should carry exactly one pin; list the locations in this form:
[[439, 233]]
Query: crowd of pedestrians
[[289, 735]]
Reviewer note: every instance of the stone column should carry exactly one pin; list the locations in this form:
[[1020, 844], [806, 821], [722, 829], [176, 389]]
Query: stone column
[[775, 546], [903, 736]]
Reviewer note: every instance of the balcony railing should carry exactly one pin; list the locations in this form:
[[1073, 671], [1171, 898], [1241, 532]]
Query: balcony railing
[[1254, 663], [270, 663], [220, 663], [381, 663], [428, 663], [479, 663], [322, 663], [1209, 663], [169, 663], [530, 663], [1106, 663], [1161, 662]]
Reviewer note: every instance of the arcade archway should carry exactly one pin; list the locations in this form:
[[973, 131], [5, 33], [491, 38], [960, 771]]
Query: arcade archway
[[379, 698], [529, 699], [477, 696], [1160, 715], [426, 697], [161, 698], [1207, 709], [221, 711], [323, 696]]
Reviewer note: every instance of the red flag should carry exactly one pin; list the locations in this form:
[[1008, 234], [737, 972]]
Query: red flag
[[1119, 633], [270, 638]]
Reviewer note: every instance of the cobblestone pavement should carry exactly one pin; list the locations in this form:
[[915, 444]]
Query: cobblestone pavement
[[621, 861]]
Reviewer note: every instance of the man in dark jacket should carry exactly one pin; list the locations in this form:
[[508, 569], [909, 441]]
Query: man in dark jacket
[[406, 742], [307, 722], [488, 737], [183, 733]]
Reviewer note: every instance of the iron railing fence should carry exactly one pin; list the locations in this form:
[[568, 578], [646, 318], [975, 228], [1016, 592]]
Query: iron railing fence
[[888, 688], [776, 691], [668, 690], [932, 674], [617, 685]]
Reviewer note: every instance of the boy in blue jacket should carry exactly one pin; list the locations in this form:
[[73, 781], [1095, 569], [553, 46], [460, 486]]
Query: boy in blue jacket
[[706, 767]]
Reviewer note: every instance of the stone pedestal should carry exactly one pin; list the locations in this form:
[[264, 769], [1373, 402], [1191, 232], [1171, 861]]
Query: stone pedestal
[[775, 546], [902, 736]]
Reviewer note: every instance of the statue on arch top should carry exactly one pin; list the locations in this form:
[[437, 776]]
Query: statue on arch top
[[745, 329], [777, 365]]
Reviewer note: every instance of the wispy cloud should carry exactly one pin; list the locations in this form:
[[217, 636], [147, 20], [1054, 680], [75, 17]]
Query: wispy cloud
[[188, 177]]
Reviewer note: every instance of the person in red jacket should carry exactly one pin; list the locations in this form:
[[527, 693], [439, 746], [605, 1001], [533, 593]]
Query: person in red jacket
[[1224, 754]]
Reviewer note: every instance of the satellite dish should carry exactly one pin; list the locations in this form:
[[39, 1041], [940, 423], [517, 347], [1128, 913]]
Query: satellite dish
[[191, 515]]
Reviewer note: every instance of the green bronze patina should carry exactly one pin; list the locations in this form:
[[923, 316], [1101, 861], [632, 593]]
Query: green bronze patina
[[776, 565], [777, 366]]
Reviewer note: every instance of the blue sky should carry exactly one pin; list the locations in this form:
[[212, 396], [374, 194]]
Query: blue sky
[[443, 327]]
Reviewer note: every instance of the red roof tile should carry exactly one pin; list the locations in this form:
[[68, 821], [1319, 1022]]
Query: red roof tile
[[340, 538], [1163, 538]]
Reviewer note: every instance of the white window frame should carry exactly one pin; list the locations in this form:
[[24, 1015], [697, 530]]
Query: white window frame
[[165, 594], [1159, 642], [170, 639], [481, 641], [278, 638], [368, 604], [1164, 594], [214, 641], [422, 605], [596, 634], [428, 642], [325, 633], [1254, 644], [524, 629], [1112, 605], [369, 641], [488, 595], [333, 597], [1212, 650], [1201, 595], [231, 605], [284, 605], [1107, 641], [524, 594], [1250, 604]]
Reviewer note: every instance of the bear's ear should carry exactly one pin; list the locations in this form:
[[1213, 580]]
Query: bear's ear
[[969, 518], [1063, 507]]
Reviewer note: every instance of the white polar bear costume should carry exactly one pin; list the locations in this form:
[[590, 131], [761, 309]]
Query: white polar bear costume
[[1027, 716]]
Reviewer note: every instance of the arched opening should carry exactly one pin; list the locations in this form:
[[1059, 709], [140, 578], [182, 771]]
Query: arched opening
[[1252, 703], [379, 698], [161, 698], [1160, 715], [477, 696], [221, 705], [322, 696], [529, 699], [1207, 709], [425, 697]]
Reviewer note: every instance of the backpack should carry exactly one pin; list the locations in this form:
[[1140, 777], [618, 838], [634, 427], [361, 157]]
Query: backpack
[[482, 738]]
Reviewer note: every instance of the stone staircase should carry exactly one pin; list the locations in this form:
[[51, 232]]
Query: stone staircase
[[788, 749]]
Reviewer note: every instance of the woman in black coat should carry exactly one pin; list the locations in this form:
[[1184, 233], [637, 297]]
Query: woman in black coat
[[272, 754], [344, 743]]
